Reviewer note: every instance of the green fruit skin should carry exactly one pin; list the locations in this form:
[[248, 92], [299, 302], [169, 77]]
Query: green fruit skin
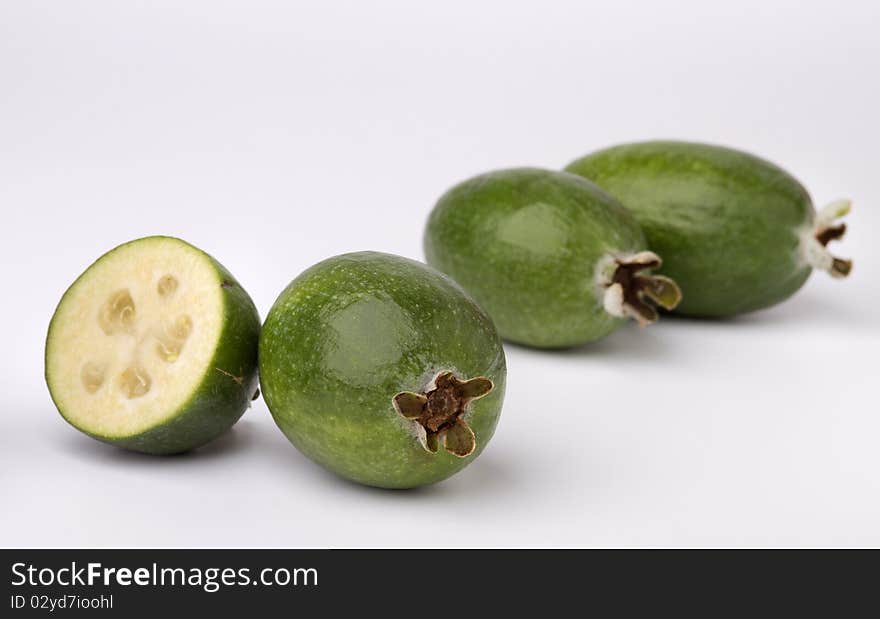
[[349, 334], [525, 243], [221, 398], [726, 223]]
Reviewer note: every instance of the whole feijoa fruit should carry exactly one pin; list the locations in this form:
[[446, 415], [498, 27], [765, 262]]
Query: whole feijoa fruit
[[153, 348], [555, 260], [736, 232], [382, 370]]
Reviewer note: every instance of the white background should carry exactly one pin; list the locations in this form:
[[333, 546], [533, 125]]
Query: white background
[[274, 135]]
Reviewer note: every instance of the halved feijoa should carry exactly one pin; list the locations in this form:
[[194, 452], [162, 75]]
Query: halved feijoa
[[153, 348], [736, 232], [382, 370]]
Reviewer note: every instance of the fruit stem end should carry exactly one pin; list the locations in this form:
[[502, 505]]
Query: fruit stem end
[[825, 230], [437, 412], [631, 293]]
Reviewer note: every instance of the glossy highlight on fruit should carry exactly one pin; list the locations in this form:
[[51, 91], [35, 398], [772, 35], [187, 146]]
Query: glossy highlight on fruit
[[153, 348], [736, 232], [552, 258], [382, 370]]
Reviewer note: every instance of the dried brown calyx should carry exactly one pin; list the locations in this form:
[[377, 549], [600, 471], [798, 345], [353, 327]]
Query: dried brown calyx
[[629, 291], [438, 412], [827, 229]]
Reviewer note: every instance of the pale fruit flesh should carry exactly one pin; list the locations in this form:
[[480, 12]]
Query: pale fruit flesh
[[134, 337]]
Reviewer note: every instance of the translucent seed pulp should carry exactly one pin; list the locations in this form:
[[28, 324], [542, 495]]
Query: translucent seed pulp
[[167, 286], [92, 376], [168, 351], [172, 338], [134, 382], [182, 327], [117, 316]]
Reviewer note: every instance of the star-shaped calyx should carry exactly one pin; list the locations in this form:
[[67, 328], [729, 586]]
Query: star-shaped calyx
[[438, 412], [631, 292], [827, 229]]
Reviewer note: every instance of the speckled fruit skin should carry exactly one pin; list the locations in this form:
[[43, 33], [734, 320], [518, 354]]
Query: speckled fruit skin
[[221, 399], [525, 243], [349, 334], [726, 223]]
